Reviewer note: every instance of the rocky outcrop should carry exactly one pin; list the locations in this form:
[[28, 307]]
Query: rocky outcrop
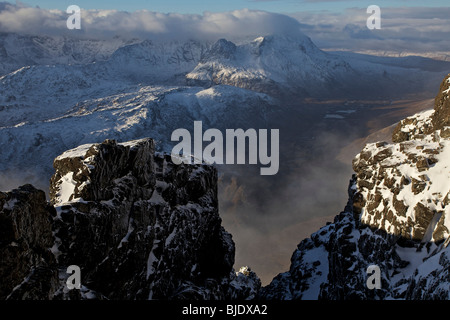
[[441, 116], [27, 267], [427, 123], [397, 218], [137, 225], [402, 189]]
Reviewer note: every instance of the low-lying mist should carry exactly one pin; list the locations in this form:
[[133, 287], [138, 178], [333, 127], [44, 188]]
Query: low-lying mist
[[269, 215], [15, 178]]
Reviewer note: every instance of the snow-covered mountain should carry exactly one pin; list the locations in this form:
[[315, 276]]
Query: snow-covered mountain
[[293, 64], [148, 111], [397, 218], [19, 50], [159, 62], [46, 69], [269, 64], [40, 92]]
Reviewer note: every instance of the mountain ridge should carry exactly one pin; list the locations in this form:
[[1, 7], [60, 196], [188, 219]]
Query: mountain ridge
[[290, 63]]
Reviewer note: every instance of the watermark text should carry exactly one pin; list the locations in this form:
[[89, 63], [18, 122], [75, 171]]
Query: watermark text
[[236, 147]]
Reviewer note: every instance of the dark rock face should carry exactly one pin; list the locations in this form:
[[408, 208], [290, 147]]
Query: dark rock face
[[25, 242], [434, 285], [222, 48], [138, 226], [441, 117], [96, 170], [332, 263]]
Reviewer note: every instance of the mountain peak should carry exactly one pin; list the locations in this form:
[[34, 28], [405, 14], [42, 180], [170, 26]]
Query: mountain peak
[[296, 37], [439, 119], [223, 49], [271, 63]]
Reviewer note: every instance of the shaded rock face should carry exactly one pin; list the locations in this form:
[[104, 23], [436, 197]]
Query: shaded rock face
[[441, 116], [397, 218], [27, 263], [138, 226]]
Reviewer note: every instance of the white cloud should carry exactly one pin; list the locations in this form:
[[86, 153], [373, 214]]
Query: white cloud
[[402, 29], [100, 23]]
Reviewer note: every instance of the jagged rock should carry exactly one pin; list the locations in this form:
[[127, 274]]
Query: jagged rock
[[417, 186], [431, 284], [422, 164], [137, 225], [94, 169], [412, 127], [445, 133], [358, 203], [25, 242], [441, 116], [245, 284], [423, 216]]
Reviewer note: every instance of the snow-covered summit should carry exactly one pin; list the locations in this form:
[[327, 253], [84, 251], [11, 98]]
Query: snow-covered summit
[[268, 63], [158, 61]]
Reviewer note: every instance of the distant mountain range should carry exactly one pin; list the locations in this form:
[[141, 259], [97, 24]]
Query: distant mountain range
[[59, 92], [271, 64]]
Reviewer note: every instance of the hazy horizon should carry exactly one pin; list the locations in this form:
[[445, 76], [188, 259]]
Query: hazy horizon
[[414, 26]]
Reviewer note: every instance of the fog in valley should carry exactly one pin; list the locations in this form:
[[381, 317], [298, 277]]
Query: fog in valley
[[269, 215]]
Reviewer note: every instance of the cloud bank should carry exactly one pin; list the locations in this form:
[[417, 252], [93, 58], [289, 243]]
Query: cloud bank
[[20, 18], [403, 29], [415, 29]]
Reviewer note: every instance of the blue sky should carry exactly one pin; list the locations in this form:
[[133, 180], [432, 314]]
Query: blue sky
[[199, 6]]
